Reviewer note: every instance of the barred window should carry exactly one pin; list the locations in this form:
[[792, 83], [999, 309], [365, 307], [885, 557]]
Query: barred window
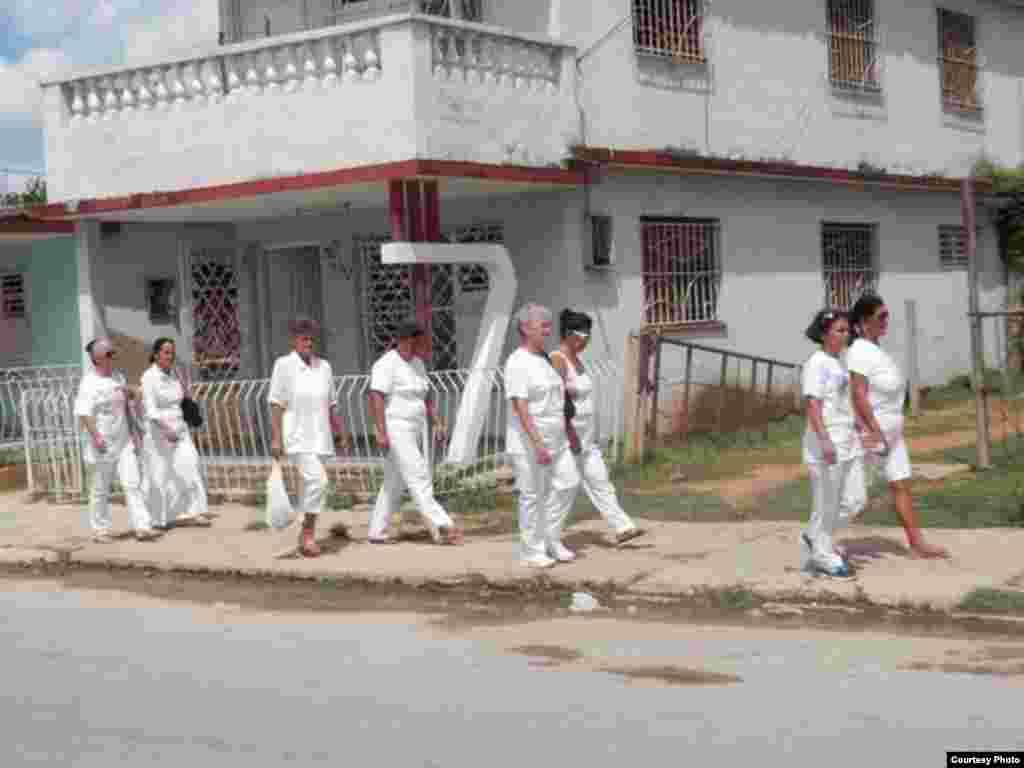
[[853, 45], [12, 295], [849, 262], [473, 278], [670, 28], [952, 247], [958, 62], [682, 270]]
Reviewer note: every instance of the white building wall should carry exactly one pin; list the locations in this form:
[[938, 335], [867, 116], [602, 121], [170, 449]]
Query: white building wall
[[765, 93]]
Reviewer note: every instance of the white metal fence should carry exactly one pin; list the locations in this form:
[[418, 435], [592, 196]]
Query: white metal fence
[[234, 441], [14, 381]]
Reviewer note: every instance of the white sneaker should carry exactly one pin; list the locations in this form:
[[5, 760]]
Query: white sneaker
[[561, 553], [537, 561]]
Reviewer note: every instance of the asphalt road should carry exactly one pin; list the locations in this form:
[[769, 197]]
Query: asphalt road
[[102, 679]]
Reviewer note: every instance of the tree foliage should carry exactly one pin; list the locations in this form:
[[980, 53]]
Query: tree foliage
[[33, 194], [1008, 185]]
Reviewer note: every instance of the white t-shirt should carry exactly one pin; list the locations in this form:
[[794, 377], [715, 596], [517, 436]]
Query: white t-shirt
[[404, 384], [104, 398], [886, 385], [162, 394], [305, 393], [532, 378], [825, 379], [585, 419]]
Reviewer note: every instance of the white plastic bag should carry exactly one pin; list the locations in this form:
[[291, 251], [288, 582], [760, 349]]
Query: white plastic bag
[[279, 513]]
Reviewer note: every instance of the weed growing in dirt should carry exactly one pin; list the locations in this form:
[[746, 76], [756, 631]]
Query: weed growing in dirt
[[988, 600]]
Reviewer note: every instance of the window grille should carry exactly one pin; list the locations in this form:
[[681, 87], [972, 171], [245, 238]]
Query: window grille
[[682, 270], [849, 262], [670, 28], [853, 45], [216, 319], [958, 62], [12, 295], [473, 278], [952, 247]]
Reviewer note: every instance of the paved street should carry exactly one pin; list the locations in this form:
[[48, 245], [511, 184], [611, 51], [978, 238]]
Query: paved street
[[95, 677]]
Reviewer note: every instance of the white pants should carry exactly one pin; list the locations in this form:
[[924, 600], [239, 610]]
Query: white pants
[[126, 466], [838, 493], [599, 489], [546, 493], [313, 477], [406, 466], [175, 486]]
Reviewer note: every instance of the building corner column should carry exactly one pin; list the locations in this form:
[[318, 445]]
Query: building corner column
[[91, 314]]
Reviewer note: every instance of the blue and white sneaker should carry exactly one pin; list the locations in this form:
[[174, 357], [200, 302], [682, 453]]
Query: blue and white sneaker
[[831, 565]]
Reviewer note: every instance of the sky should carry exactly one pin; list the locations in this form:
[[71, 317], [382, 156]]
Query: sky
[[41, 40]]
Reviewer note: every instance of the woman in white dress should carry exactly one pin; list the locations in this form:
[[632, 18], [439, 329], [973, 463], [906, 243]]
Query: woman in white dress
[[879, 396], [177, 494], [574, 328], [831, 450], [537, 440], [401, 405], [111, 447], [303, 420]]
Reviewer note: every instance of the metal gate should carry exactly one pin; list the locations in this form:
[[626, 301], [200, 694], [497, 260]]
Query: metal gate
[[216, 332]]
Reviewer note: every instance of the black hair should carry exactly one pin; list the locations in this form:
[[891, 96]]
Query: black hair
[[89, 346], [822, 322], [154, 353], [865, 307], [569, 320]]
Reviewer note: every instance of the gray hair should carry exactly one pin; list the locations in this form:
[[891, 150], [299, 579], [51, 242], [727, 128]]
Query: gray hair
[[529, 312]]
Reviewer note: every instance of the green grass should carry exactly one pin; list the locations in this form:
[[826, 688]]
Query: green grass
[[988, 600]]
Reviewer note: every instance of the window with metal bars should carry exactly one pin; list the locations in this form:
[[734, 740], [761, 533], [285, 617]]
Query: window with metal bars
[[952, 247], [12, 295], [853, 45], [682, 270], [849, 262], [670, 29], [958, 62]]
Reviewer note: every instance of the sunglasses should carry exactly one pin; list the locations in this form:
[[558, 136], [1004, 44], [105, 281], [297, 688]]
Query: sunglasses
[[581, 334]]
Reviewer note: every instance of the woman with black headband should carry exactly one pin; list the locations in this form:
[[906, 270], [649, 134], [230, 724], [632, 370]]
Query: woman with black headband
[[574, 329]]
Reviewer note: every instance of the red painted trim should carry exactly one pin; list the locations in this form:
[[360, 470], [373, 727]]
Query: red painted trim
[[627, 158], [414, 210], [396, 209], [432, 211], [21, 224], [359, 175]]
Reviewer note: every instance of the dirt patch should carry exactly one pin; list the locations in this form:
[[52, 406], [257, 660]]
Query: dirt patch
[[673, 675], [1012, 670], [742, 491], [553, 653]]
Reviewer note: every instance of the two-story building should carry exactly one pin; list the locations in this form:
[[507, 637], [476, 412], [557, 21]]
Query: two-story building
[[715, 169]]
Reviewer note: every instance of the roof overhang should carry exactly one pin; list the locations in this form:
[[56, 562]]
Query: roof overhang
[[357, 187], [676, 162], [22, 226]]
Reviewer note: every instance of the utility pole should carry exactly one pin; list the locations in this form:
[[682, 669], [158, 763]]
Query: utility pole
[[977, 360]]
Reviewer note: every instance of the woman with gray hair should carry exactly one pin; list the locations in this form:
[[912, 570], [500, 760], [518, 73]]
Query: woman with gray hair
[[538, 438], [303, 416]]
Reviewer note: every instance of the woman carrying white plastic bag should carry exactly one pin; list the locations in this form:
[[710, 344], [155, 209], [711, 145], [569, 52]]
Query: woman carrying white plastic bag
[[278, 512]]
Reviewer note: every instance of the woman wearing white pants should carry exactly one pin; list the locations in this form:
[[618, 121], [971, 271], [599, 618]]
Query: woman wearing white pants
[[303, 418], [176, 491], [831, 449], [400, 405], [111, 447], [574, 328], [537, 439]]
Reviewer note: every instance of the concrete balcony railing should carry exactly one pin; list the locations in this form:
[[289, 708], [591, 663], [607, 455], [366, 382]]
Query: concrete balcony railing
[[387, 89]]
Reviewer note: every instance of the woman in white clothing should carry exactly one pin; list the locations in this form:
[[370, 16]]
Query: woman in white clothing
[[177, 494], [111, 447], [537, 440], [303, 419], [831, 450], [401, 405], [879, 395], [574, 328]]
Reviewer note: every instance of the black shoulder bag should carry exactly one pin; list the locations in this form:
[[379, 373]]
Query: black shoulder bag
[[190, 410]]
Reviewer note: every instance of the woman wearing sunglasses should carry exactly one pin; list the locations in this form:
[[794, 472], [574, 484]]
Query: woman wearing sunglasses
[[879, 394], [575, 332]]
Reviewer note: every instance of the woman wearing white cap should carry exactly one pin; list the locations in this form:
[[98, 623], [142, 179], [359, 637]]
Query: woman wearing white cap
[[401, 405], [574, 328], [176, 491], [537, 440], [111, 446]]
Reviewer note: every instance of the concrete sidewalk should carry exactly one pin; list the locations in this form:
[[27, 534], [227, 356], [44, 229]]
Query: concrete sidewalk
[[674, 559]]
